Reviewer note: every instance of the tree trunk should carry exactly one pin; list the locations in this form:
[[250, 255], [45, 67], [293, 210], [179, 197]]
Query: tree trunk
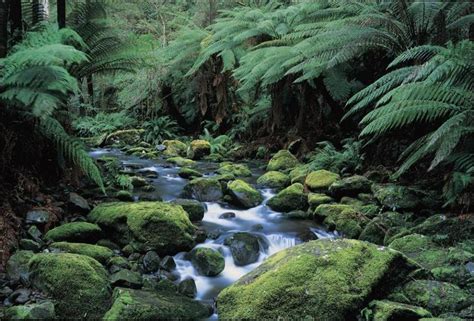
[[37, 12], [61, 14], [3, 28], [16, 18], [90, 89]]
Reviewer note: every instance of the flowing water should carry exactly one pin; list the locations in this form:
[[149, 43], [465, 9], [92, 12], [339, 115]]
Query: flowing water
[[276, 232]]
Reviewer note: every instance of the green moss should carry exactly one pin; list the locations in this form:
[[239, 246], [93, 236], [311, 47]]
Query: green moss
[[237, 170], [119, 261], [17, 265], [299, 173], [186, 172], [244, 194], [198, 149], [350, 186], [316, 199], [438, 297], [398, 197], [204, 189], [274, 179], [193, 208], [320, 180], [207, 261], [180, 161], [36, 311], [289, 199], [282, 161], [78, 283], [124, 196], [75, 232], [174, 148], [146, 305], [100, 253], [158, 226], [390, 311], [325, 280]]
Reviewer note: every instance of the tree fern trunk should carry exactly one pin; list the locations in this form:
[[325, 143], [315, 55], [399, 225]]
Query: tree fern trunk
[[3, 28], [61, 6], [16, 18], [90, 88]]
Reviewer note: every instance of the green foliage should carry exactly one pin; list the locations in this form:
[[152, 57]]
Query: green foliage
[[348, 160], [102, 123], [221, 144], [160, 129]]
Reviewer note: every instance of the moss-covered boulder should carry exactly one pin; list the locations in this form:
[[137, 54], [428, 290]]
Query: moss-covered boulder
[[126, 278], [320, 180], [384, 310], [244, 194], [78, 284], [236, 170], [100, 253], [198, 149], [174, 148], [274, 179], [343, 218], [186, 172], [207, 261], [122, 137], [397, 197], [163, 227], [181, 161], [282, 161], [323, 280], [151, 305], [124, 196], [384, 225], [82, 232], [289, 199], [299, 173], [204, 189], [17, 265], [34, 311], [245, 248], [316, 199], [350, 186], [437, 297], [194, 208]]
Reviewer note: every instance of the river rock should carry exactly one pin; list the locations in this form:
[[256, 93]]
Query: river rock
[[234, 170], [181, 161], [227, 215], [207, 261], [34, 233], [81, 232], [343, 218], [194, 208], [126, 278], [274, 179], [19, 296], [397, 197], [78, 284], [298, 215], [39, 217], [124, 196], [244, 194], [282, 161], [204, 189], [320, 180], [289, 199], [188, 288], [198, 149], [131, 304], [350, 186], [151, 262], [298, 174], [17, 265], [34, 311], [30, 245], [168, 263], [384, 310], [100, 253], [323, 280], [316, 199], [79, 203], [188, 173], [174, 148], [245, 248], [162, 227]]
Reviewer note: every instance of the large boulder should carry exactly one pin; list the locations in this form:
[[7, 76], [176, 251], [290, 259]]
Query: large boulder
[[198, 149], [244, 194], [274, 179], [397, 197], [151, 305], [350, 186], [100, 253], [322, 280], [162, 227], [174, 148], [207, 261], [299, 173], [320, 180], [236, 170], [282, 161], [204, 189], [82, 232], [316, 199], [194, 208], [245, 248], [289, 199], [78, 284]]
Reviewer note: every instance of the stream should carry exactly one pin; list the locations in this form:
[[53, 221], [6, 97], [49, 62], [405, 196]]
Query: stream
[[276, 231]]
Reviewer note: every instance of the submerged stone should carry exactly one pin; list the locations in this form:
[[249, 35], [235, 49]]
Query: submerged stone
[[323, 280]]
